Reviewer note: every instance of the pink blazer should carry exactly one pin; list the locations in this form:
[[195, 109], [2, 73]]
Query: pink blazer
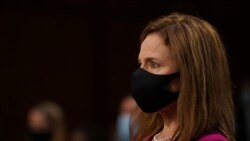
[[214, 136]]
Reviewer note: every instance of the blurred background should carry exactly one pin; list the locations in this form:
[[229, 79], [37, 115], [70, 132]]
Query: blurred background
[[80, 54]]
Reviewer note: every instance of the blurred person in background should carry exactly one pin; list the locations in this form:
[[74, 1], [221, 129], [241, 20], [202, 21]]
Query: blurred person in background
[[46, 122], [88, 132], [127, 106], [244, 107], [79, 135]]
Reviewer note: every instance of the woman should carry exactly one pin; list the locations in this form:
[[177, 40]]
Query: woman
[[183, 86], [45, 122]]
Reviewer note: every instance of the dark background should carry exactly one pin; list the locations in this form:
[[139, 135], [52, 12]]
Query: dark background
[[80, 54]]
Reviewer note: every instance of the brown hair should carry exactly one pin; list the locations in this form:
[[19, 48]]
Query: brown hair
[[54, 116], [205, 102]]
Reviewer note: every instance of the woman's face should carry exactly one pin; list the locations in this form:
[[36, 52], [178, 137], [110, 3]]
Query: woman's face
[[155, 57], [37, 121]]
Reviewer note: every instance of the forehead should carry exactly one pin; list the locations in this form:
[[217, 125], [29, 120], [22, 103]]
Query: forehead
[[154, 46]]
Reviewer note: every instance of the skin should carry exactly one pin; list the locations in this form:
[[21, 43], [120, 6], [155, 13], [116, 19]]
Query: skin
[[127, 105], [155, 57], [37, 121]]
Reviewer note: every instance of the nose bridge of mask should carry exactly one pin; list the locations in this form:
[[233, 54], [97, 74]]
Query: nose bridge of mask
[[145, 79], [144, 75]]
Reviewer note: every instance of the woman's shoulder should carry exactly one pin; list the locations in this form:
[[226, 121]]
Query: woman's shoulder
[[214, 136]]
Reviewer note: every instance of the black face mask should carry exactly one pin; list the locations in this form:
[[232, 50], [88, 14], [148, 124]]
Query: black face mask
[[40, 136], [150, 90]]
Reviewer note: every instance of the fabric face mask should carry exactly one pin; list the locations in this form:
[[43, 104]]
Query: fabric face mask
[[150, 90], [40, 136]]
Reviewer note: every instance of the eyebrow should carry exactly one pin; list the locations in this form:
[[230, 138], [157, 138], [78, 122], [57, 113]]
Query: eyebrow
[[149, 59]]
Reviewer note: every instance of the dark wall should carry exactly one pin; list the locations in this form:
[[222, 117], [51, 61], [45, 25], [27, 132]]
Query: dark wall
[[80, 54]]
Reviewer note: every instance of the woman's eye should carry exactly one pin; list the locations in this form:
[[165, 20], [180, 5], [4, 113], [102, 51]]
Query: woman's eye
[[154, 65]]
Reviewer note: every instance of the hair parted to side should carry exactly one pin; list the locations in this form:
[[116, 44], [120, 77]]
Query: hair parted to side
[[205, 102]]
